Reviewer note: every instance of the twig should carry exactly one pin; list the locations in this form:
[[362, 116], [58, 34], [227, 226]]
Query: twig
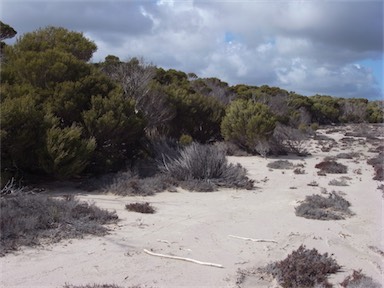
[[253, 240], [184, 259]]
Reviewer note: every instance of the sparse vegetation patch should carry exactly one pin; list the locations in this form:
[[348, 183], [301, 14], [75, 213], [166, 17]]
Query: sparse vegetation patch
[[359, 280], [331, 167], [280, 164], [27, 219], [333, 207], [145, 208]]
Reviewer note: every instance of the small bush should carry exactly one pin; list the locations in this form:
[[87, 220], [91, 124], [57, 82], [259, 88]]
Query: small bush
[[145, 208], [318, 207], [205, 163], [359, 280], [378, 165], [299, 171], [332, 167], [313, 184], [96, 286], [25, 219], [185, 140], [304, 268], [280, 164], [335, 182], [349, 155]]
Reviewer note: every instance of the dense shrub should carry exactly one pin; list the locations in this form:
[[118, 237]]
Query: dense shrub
[[145, 208], [198, 162], [246, 123], [319, 207], [331, 167], [25, 219], [359, 280], [304, 268]]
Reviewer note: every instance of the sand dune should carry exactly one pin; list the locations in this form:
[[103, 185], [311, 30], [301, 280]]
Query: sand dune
[[199, 225]]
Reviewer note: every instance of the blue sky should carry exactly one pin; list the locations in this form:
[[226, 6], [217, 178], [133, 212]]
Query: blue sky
[[311, 47]]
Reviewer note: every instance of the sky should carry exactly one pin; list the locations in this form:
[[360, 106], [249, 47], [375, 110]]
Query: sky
[[310, 47]]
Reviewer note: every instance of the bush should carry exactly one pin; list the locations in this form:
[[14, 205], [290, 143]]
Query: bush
[[359, 280], [304, 268], [378, 165], [246, 123], [199, 162], [280, 164], [335, 182], [145, 208], [25, 219], [318, 207], [331, 167], [299, 171], [96, 286]]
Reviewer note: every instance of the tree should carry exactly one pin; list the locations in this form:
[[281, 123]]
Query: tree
[[247, 124], [6, 31]]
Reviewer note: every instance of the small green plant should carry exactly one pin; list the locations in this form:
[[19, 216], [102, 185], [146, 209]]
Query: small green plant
[[304, 268], [145, 208], [333, 207]]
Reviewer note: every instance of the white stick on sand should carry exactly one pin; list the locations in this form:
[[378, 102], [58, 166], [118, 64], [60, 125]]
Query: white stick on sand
[[253, 240], [184, 259]]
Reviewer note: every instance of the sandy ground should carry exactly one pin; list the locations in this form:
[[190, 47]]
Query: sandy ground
[[198, 225]]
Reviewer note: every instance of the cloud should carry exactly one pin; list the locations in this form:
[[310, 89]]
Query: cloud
[[305, 46]]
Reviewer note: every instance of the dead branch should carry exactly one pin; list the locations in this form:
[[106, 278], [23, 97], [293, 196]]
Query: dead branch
[[251, 239], [184, 259]]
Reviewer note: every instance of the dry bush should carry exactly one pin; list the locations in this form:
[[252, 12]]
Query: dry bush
[[95, 286], [299, 171], [231, 149], [126, 183], [198, 185], [318, 207], [145, 208], [378, 165], [359, 280], [335, 182], [198, 162], [349, 155], [304, 268], [292, 140], [331, 167], [280, 164], [26, 219], [313, 184]]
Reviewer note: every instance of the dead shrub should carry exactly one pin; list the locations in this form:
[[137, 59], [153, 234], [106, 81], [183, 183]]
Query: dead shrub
[[349, 155], [332, 167], [304, 268], [145, 208], [359, 280], [333, 207], [26, 219], [378, 165], [299, 171], [280, 164], [335, 182]]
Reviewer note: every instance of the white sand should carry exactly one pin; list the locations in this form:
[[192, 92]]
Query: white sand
[[198, 225]]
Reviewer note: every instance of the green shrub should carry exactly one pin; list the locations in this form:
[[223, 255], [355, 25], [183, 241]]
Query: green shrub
[[185, 140], [318, 207], [304, 268], [246, 123], [66, 153]]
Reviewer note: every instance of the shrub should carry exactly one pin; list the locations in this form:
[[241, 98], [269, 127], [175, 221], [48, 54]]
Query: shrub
[[304, 268], [292, 140], [246, 123], [350, 155], [299, 171], [331, 167], [313, 184], [185, 140], [145, 208], [335, 182], [359, 280], [205, 163], [96, 286], [25, 219], [126, 183], [280, 164], [318, 207], [378, 165]]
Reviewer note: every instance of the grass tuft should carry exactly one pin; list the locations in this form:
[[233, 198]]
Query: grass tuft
[[319, 207]]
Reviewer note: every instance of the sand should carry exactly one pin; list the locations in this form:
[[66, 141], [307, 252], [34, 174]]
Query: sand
[[198, 226]]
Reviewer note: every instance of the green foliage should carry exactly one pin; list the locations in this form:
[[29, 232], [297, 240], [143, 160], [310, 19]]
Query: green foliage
[[49, 38], [66, 152], [6, 31], [246, 123], [113, 122], [185, 140], [375, 112], [325, 109]]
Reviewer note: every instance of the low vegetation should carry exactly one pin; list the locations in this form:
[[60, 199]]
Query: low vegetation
[[331, 167], [378, 165], [280, 164], [144, 208], [359, 280], [97, 286], [304, 268], [336, 182], [333, 207], [26, 220]]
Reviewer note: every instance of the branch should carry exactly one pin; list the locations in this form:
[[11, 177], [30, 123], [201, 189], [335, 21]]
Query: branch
[[184, 259], [253, 240]]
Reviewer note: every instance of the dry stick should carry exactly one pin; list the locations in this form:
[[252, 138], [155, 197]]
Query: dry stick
[[253, 240], [184, 259]]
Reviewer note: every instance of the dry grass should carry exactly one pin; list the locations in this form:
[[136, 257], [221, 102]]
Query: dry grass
[[27, 219]]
